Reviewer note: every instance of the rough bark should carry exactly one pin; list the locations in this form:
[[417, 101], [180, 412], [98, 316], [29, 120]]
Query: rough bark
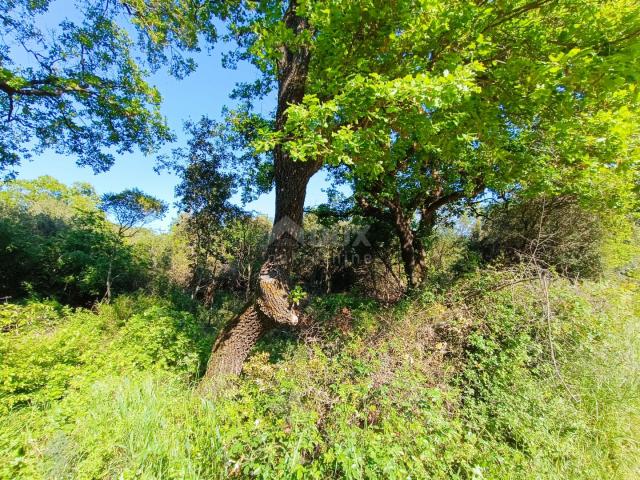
[[272, 306], [407, 251], [412, 252], [233, 345]]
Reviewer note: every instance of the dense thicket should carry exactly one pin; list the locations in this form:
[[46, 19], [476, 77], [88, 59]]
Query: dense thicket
[[555, 233], [469, 309], [372, 383], [56, 242]]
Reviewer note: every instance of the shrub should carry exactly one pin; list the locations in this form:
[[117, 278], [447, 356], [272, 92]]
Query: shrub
[[48, 349], [557, 232]]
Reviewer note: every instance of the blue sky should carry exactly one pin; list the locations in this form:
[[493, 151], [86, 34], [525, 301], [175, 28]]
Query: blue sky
[[204, 92]]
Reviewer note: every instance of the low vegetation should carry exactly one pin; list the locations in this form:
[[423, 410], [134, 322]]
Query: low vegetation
[[498, 369], [439, 386]]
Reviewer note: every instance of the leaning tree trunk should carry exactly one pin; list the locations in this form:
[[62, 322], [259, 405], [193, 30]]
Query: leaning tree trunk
[[272, 306]]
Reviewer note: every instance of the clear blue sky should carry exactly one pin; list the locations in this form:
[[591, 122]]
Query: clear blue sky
[[204, 92]]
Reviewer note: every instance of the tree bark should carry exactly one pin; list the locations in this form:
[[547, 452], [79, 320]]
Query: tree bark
[[107, 294], [272, 306], [233, 345], [412, 250], [408, 252]]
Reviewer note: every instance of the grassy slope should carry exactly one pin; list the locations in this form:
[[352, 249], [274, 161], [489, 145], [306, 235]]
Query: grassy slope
[[456, 383]]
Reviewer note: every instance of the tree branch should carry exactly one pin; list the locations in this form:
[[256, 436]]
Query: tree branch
[[517, 11], [34, 88]]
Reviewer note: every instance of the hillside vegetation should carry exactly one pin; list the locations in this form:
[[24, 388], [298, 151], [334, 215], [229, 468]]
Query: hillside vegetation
[[433, 388], [491, 370], [444, 282]]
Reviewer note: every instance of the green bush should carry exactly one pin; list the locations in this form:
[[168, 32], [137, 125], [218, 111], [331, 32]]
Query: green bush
[[48, 349], [556, 232]]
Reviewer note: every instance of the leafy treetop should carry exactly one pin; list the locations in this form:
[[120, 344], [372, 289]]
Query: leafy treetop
[[132, 207], [449, 98], [431, 96]]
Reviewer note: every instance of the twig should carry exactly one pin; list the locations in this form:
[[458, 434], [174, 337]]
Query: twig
[[548, 314]]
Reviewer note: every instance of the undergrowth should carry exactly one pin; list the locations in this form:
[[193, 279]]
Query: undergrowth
[[470, 381]]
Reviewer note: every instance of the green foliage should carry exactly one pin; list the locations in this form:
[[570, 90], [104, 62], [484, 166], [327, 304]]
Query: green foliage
[[160, 338], [297, 294], [433, 101], [457, 384], [242, 243], [42, 353], [78, 84], [132, 208], [537, 230], [556, 418], [49, 350], [57, 243], [226, 243], [419, 105]]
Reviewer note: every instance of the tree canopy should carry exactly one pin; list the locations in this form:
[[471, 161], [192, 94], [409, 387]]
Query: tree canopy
[[536, 95], [421, 104], [74, 75], [132, 208], [443, 98]]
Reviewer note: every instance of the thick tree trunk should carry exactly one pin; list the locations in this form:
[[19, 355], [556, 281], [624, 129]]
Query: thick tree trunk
[[273, 307], [234, 343], [412, 249]]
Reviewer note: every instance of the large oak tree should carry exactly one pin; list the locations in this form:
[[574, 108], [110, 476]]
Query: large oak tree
[[423, 103]]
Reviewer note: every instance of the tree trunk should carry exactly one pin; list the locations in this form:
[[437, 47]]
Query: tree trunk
[[273, 307], [408, 252], [233, 344], [412, 249], [107, 294]]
